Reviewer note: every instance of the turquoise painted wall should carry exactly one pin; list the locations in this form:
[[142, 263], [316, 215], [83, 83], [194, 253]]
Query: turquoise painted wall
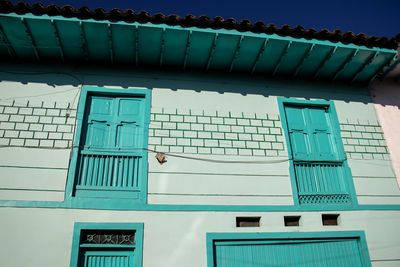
[[227, 120], [176, 238], [202, 111]]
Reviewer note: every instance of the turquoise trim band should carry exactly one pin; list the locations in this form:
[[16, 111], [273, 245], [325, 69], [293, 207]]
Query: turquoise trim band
[[110, 204]]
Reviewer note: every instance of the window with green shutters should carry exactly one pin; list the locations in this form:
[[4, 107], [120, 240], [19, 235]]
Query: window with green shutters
[[320, 174], [110, 157]]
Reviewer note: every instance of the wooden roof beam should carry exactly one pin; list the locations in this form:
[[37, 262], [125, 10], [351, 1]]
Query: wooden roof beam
[[33, 43], [212, 51], [110, 43], [187, 49], [323, 62], [162, 47], [236, 53], [136, 45], [366, 63], [84, 42], [343, 65], [284, 52], [58, 39], [300, 64], [259, 54], [382, 67], [10, 48]]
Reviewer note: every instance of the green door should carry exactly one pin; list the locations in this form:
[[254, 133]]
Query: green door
[[302, 252]]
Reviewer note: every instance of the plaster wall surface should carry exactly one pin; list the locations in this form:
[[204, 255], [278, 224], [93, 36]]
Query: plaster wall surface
[[43, 237], [386, 95], [226, 109]]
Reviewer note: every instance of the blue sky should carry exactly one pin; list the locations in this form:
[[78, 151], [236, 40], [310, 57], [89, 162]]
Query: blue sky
[[372, 17]]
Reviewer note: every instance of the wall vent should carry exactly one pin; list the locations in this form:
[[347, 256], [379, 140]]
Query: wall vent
[[248, 221], [330, 219], [292, 220]]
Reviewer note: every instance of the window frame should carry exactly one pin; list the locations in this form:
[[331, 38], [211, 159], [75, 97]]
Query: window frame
[[72, 170], [341, 155], [80, 227]]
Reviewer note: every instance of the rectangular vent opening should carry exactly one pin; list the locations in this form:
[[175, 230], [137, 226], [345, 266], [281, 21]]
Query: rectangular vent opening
[[248, 221], [292, 220], [330, 219]]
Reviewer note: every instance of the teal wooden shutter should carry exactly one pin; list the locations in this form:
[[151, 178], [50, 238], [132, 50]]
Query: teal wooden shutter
[[307, 253], [99, 119], [299, 134], [130, 123], [323, 139], [321, 183], [109, 162], [108, 259]]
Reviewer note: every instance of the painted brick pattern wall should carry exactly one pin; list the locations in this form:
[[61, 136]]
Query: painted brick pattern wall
[[363, 140], [36, 124], [51, 125], [216, 132]]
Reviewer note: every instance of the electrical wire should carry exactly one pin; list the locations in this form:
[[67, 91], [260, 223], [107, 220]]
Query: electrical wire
[[165, 153], [39, 95], [43, 73], [47, 94]]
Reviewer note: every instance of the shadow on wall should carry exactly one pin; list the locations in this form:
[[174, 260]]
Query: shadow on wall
[[386, 92], [127, 76]]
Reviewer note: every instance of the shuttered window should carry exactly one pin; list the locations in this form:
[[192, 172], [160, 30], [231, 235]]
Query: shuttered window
[[318, 161], [111, 146]]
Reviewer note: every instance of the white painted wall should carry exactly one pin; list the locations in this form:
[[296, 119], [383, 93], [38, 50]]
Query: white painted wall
[[43, 237], [386, 96]]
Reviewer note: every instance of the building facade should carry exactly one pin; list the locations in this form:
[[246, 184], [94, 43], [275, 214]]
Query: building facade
[[130, 140]]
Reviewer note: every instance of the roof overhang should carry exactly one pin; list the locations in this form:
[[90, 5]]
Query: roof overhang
[[63, 39]]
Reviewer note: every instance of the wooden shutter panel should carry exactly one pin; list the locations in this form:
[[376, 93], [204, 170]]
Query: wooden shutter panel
[[324, 141], [108, 259], [130, 124], [300, 139], [99, 120]]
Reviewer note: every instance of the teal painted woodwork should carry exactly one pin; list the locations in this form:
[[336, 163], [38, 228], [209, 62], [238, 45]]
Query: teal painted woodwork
[[287, 249], [321, 183], [310, 133], [316, 252], [318, 166], [44, 37], [108, 259], [124, 204], [106, 255], [113, 130], [109, 156]]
